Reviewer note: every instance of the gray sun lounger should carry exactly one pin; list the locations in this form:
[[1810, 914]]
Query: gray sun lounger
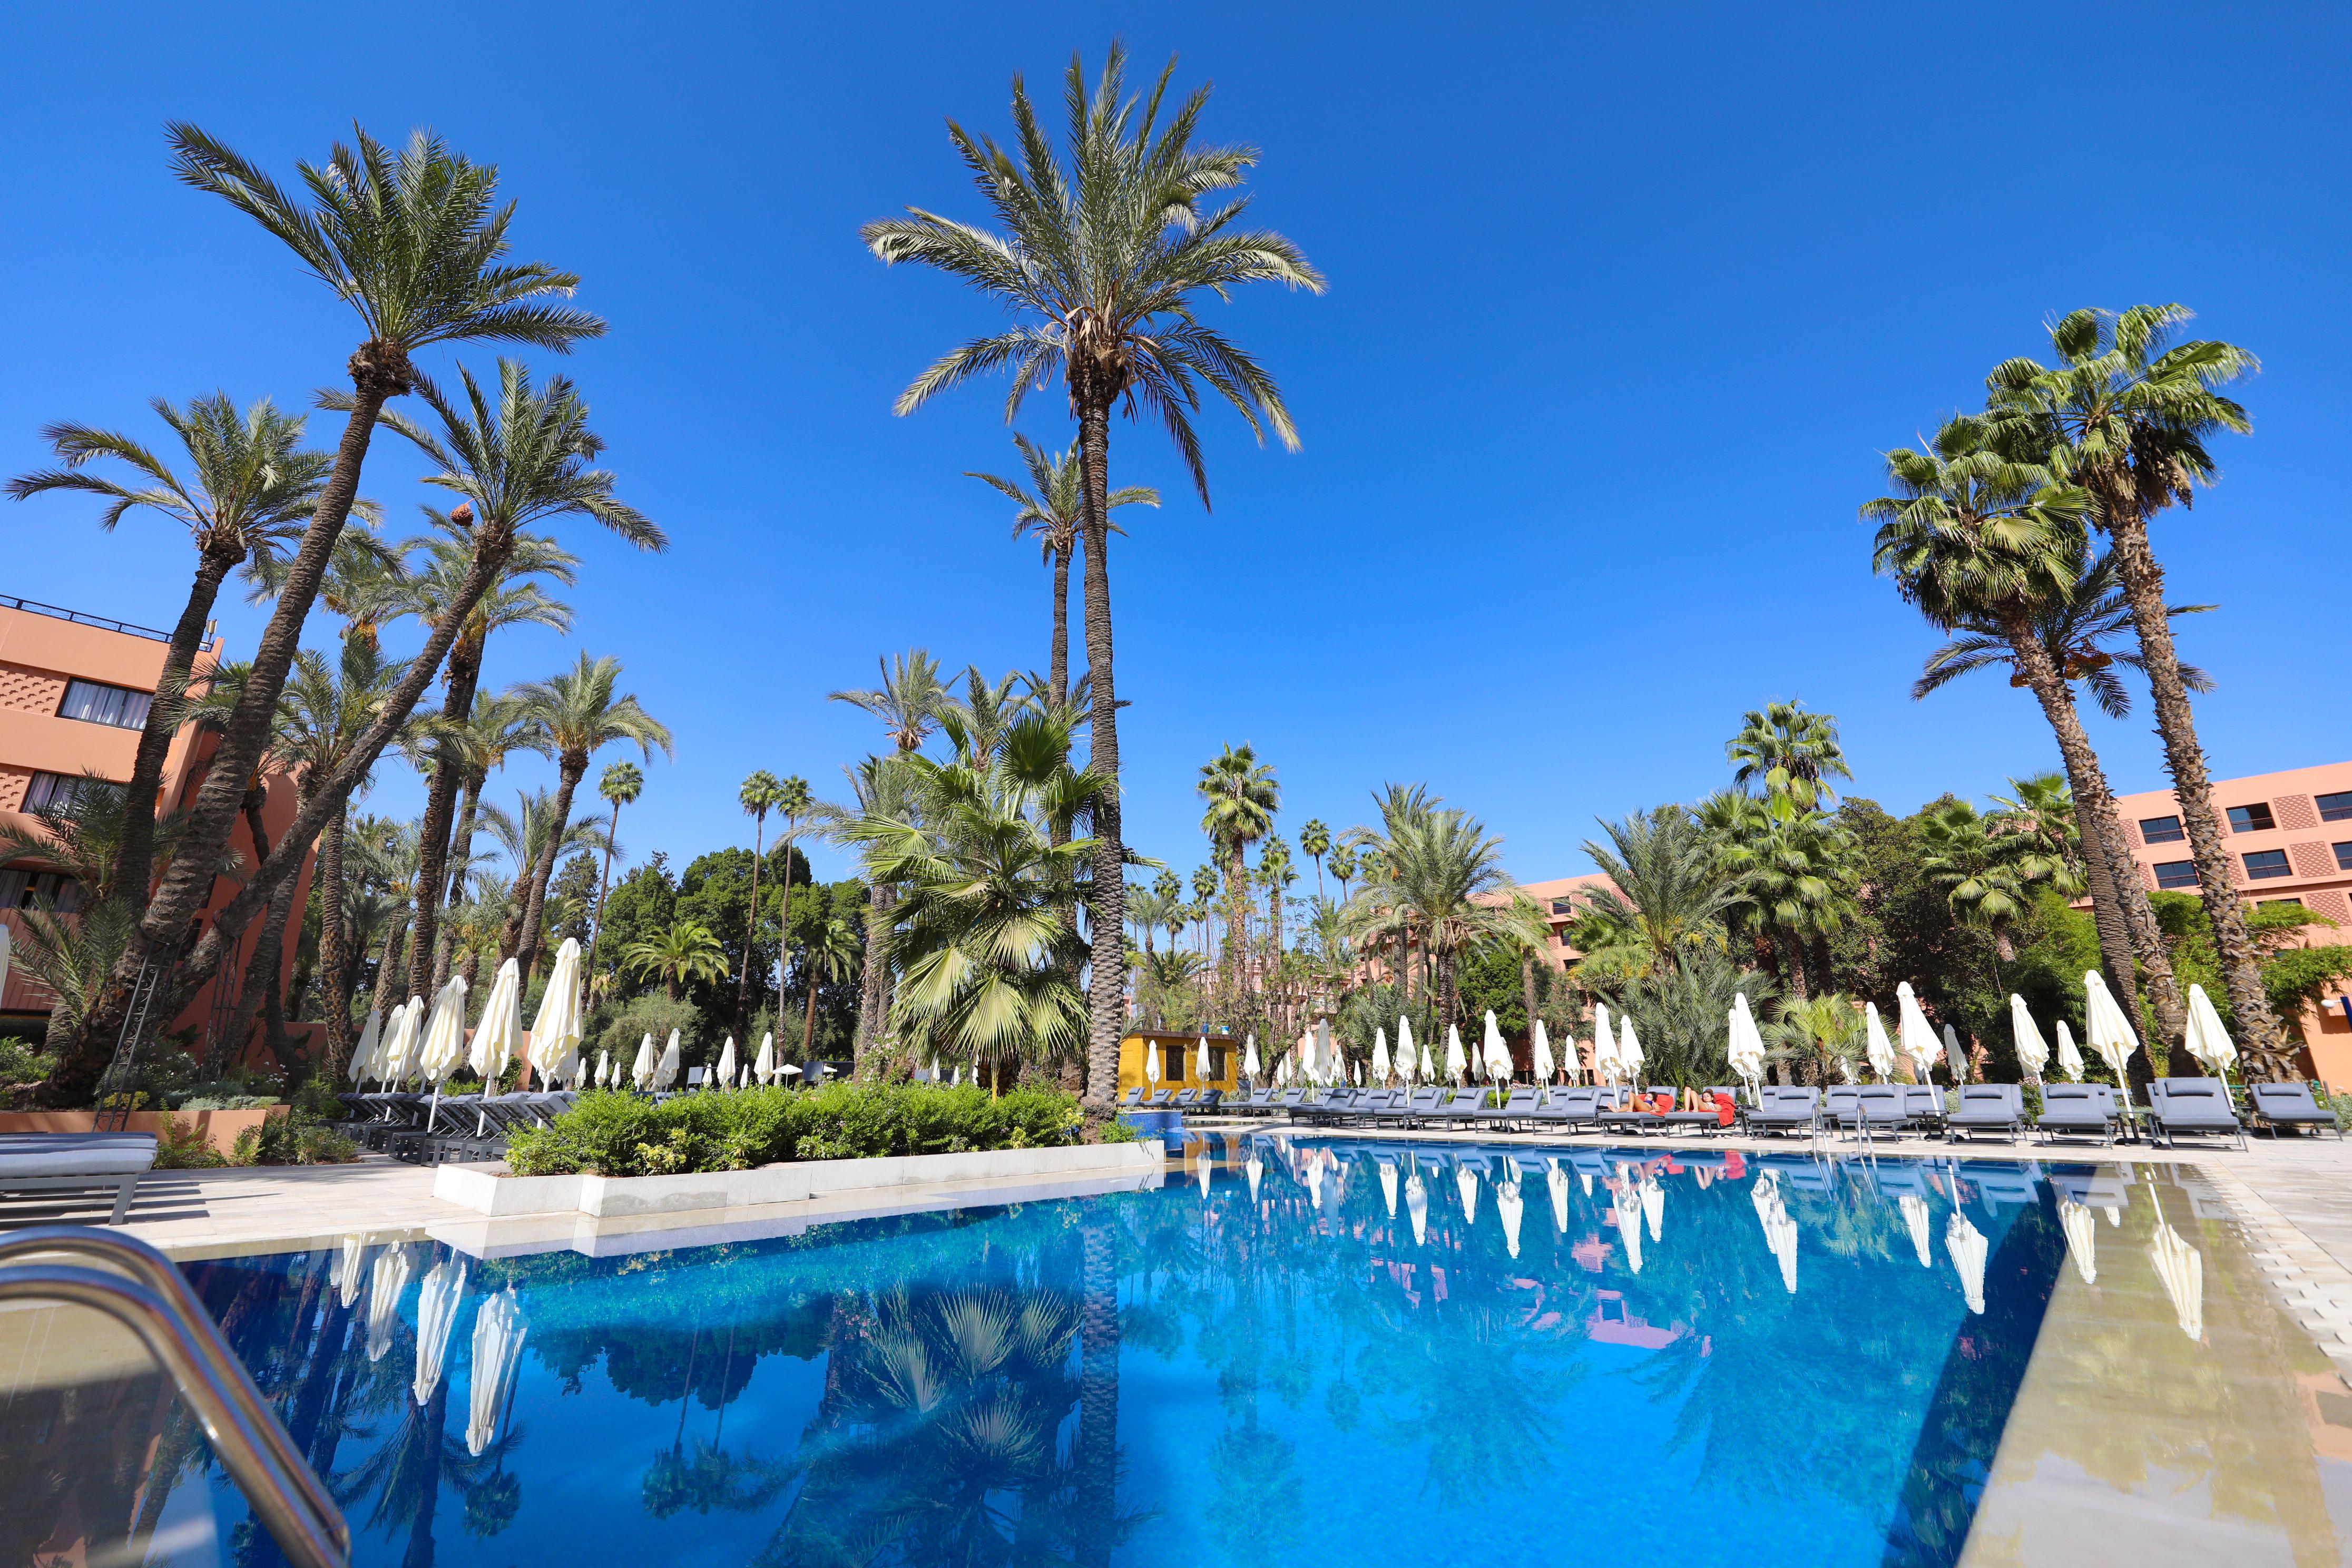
[[2277, 1105], [1568, 1109], [76, 1161], [1461, 1108], [1420, 1106], [1782, 1109], [1185, 1099], [2199, 1106], [1515, 1110], [2077, 1111], [1987, 1108], [1923, 1103], [1134, 1099]]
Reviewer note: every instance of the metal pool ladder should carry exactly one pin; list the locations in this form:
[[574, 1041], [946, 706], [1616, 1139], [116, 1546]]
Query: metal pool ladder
[[143, 1290]]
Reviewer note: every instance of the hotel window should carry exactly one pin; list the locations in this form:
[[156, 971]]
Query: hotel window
[[2335, 807], [96, 704], [21, 889], [2161, 829], [2251, 819], [1562, 907], [2343, 857], [2176, 873], [2263, 864], [49, 791]]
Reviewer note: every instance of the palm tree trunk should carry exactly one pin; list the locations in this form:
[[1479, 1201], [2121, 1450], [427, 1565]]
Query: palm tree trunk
[[1107, 981], [808, 1025], [2123, 930], [1057, 669], [1792, 961], [603, 881], [261, 979], [873, 994], [750, 929], [427, 965], [2267, 1048], [388, 967], [334, 979], [134, 865], [460, 863]]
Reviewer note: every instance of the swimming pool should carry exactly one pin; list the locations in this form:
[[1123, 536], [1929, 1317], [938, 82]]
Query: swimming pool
[[1301, 1350]]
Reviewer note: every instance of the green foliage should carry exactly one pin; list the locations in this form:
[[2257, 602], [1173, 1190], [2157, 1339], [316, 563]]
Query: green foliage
[[292, 1139], [1119, 1129], [182, 1146], [624, 1031], [2294, 978], [624, 1135], [21, 1064]]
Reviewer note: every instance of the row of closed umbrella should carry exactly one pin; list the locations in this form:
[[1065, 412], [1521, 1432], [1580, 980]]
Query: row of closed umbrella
[[414, 1045], [2111, 1035]]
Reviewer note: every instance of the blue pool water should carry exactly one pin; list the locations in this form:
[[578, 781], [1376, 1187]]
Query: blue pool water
[[1174, 1377]]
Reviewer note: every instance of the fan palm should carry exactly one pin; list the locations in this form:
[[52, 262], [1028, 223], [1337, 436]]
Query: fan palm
[[1790, 753], [681, 952], [1052, 511], [2127, 412], [1105, 257], [2038, 834], [414, 242], [830, 952], [1993, 550], [1241, 796], [1820, 1031], [251, 490], [1791, 869], [759, 794], [577, 714]]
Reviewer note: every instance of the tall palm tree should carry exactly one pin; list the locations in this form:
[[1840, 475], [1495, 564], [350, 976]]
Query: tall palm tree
[[435, 594], [578, 713], [1789, 754], [1052, 511], [1315, 842], [761, 794], [251, 490], [1449, 877], [1666, 890], [1790, 867], [496, 729], [793, 801], [909, 703], [414, 242], [1241, 796], [1993, 549], [621, 784], [831, 952], [1105, 258], [2127, 412], [1401, 806]]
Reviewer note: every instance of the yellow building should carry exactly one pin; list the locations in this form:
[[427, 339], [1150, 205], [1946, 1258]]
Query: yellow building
[[1179, 1061]]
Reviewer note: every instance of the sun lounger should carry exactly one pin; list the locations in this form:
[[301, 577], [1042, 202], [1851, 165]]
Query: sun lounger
[[1987, 1108], [1460, 1109], [76, 1161], [1372, 1107], [1837, 1102], [1568, 1109], [1184, 1099], [2199, 1106], [1134, 1099], [2077, 1111], [1514, 1111], [1923, 1105], [1210, 1100], [1786, 1109], [2277, 1105]]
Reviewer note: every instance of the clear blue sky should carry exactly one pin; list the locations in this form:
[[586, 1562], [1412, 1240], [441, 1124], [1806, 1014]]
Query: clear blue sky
[[1623, 307]]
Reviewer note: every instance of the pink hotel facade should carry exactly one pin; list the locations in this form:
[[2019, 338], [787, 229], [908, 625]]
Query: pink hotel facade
[[2290, 840]]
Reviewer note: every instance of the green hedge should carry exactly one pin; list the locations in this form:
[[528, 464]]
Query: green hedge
[[624, 1135]]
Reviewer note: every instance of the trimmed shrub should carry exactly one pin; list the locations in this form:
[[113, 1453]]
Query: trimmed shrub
[[292, 1139], [624, 1135]]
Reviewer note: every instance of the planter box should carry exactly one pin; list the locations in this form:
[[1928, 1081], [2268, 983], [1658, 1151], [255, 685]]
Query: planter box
[[485, 1189], [220, 1128]]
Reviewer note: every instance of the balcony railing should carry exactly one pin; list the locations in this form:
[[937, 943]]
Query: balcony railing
[[34, 607]]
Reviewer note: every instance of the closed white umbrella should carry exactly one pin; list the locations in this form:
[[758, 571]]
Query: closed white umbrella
[[1335, 1061], [1508, 1209], [1389, 1186], [500, 1029], [445, 1040], [2111, 1033], [1746, 1051], [1628, 1205], [397, 1056], [1845, 1070], [386, 1282], [2082, 1238], [640, 1071], [1201, 1059], [362, 1054], [727, 1061], [1556, 1178], [1629, 1055], [763, 1067], [1969, 1249], [1546, 1067], [354, 1265], [2208, 1042], [1416, 1204], [1915, 1214], [603, 1069], [437, 1314], [1497, 1054], [2182, 1270], [2070, 1059], [1150, 1065], [1249, 1057], [2033, 1051], [1919, 1042], [1456, 1064], [1302, 1051], [1605, 1045], [499, 1329], [1204, 1161], [1954, 1054], [1880, 1048], [1380, 1068], [666, 1069], [555, 1032], [1465, 1182], [1408, 1060]]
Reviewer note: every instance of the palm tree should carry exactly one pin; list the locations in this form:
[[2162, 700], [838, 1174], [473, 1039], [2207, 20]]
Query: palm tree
[[793, 801], [2038, 834], [1667, 892], [1315, 842], [1205, 889], [535, 831], [1105, 259], [1790, 870], [577, 714], [1243, 796], [761, 794], [1963, 857], [2127, 412], [621, 784], [1449, 880], [831, 952], [496, 729], [909, 702], [684, 950], [1993, 550], [1275, 874], [414, 243], [1343, 866], [1052, 511], [1789, 753], [1820, 1031], [434, 596], [250, 492]]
